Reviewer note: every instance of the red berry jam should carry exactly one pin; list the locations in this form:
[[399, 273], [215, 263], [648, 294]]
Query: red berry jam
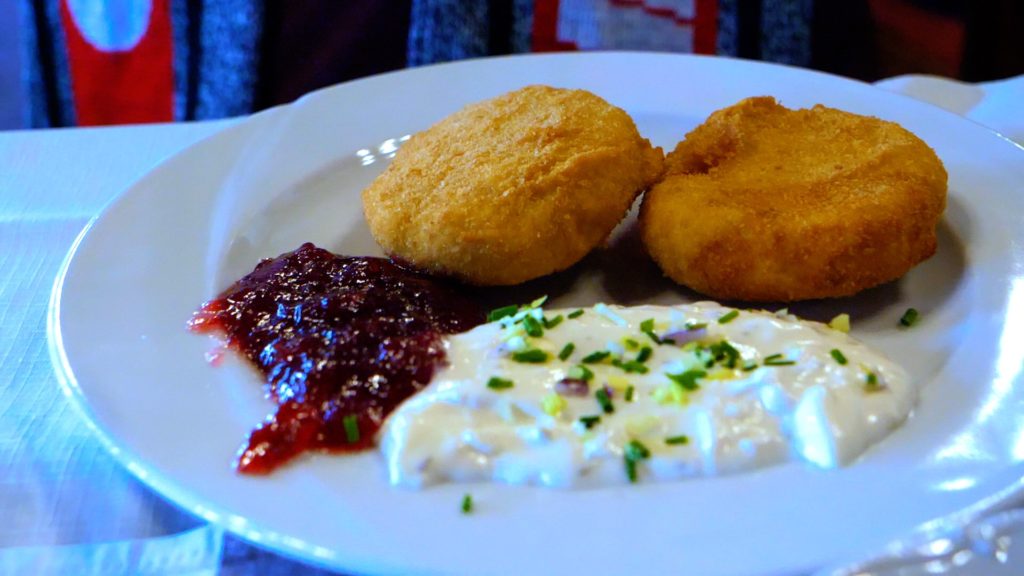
[[341, 342]]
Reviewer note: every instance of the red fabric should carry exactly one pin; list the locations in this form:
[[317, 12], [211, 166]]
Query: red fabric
[[123, 87], [545, 28], [705, 27]]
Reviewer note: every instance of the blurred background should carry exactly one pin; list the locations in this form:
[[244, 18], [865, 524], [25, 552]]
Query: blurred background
[[95, 62]]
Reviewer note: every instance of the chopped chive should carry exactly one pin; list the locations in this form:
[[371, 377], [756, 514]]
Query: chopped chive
[[634, 453], [637, 451], [729, 317], [675, 440], [467, 504], [871, 381], [772, 357], [645, 354], [589, 421], [605, 400], [576, 314], [499, 313], [532, 326], [838, 356], [580, 372], [496, 383], [539, 301], [778, 362], [723, 351], [909, 317], [351, 425], [549, 324], [647, 327], [566, 351], [691, 325], [655, 338], [531, 356], [750, 367], [688, 379], [595, 357], [629, 393], [630, 366], [630, 470], [631, 343]]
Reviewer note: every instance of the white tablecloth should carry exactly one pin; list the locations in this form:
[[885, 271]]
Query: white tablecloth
[[66, 507]]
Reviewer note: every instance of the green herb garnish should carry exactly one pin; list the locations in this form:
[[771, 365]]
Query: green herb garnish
[[531, 356], [637, 451], [351, 424], [576, 314], [580, 372], [589, 421], [566, 351], [496, 383], [645, 354], [629, 393], [725, 352], [595, 357], [909, 317], [675, 440], [630, 366], [777, 360], [549, 324], [634, 453], [605, 400], [729, 317], [499, 313], [871, 381], [838, 356], [467, 504], [688, 379], [647, 327], [532, 326]]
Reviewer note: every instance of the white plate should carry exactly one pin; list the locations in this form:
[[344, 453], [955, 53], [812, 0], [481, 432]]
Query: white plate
[[294, 173]]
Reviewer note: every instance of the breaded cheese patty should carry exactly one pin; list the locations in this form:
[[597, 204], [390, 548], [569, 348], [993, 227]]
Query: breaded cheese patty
[[764, 203], [512, 188]]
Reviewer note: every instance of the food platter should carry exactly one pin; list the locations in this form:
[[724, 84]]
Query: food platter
[[293, 174]]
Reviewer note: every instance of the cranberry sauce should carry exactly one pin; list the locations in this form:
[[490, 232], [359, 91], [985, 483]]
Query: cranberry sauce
[[341, 342]]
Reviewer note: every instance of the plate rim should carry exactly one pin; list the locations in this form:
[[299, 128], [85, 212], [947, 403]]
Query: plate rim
[[266, 538]]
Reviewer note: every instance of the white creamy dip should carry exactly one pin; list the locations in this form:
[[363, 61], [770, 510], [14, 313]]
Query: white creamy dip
[[780, 389]]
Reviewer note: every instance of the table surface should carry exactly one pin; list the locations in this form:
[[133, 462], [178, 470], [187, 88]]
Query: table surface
[[67, 506]]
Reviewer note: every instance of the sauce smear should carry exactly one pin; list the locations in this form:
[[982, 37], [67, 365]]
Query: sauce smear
[[342, 341]]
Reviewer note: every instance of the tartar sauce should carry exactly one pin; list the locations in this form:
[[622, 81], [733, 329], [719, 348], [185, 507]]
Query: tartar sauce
[[619, 394]]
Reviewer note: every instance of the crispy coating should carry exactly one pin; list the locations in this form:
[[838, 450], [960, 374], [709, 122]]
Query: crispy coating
[[763, 203], [512, 188]]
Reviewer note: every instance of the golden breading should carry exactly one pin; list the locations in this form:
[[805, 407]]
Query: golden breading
[[512, 188], [764, 203]]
